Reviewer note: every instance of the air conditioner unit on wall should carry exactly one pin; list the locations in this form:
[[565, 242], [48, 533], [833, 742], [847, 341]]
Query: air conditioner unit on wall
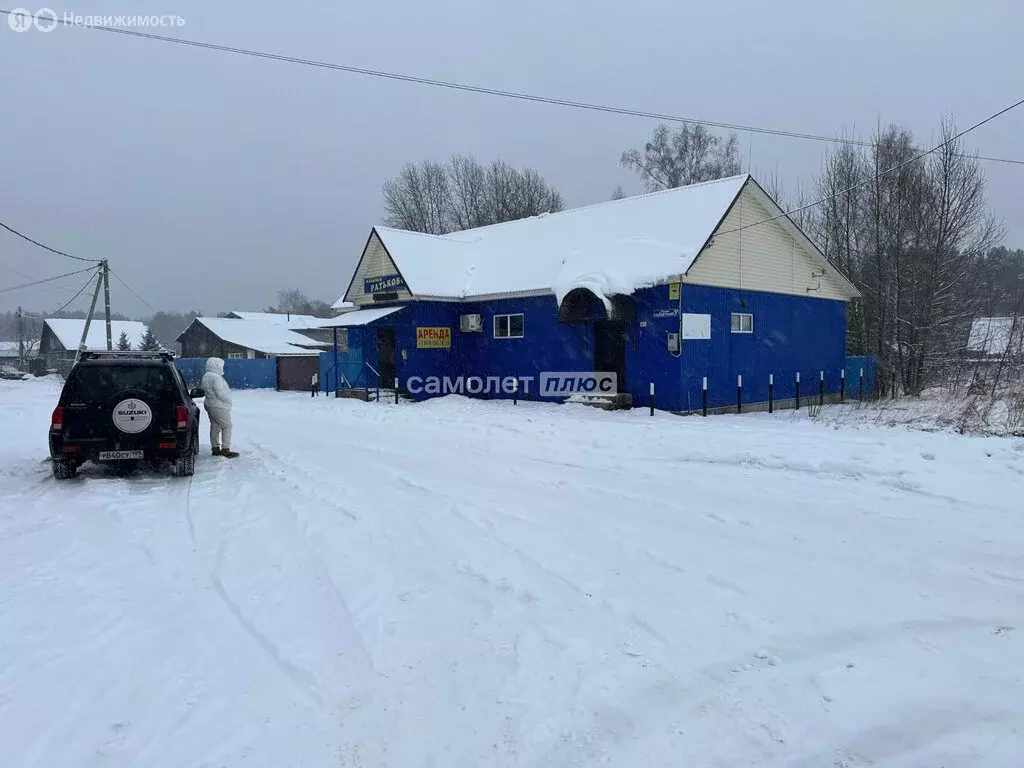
[[470, 323]]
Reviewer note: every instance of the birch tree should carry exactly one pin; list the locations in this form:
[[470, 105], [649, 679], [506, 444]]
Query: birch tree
[[688, 155], [438, 198]]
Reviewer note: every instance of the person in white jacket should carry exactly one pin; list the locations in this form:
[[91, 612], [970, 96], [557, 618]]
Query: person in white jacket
[[218, 407]]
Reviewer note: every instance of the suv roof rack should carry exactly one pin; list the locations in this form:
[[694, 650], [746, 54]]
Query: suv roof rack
[[94, 354]]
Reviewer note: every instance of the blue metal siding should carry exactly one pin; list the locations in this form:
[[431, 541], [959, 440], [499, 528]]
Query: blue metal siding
[[547, 345], [790, 334], [647, 357], [420, 362], [854, 365], [239, 374]]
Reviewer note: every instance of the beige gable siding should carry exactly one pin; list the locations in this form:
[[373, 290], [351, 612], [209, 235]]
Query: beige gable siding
[[375, 262], [762, 258]]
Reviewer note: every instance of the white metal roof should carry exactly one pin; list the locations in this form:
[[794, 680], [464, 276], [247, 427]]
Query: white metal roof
[[991, 336], [360, 317], [278, 318], [69, 332], [621, 245], [263, 337]]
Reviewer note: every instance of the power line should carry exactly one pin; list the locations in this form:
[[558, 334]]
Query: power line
[[34, 316], [33, 277], [122, 282], [47, 280], [518, 95], [877, 176], [72, 299], [13, 231]]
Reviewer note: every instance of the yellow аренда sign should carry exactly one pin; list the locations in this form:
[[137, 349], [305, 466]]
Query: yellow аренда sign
[[433, 338]]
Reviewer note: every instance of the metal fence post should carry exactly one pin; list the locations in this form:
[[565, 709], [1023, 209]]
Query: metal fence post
[[860, 389], [704, 397], [739, 393], [798, 390], [771, 393], [396, 390], [821, 389], [652, 398], [842, 385]]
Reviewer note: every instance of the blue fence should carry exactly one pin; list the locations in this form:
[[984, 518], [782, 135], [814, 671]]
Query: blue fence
[[854, 366], [350, 371], [240, 374]]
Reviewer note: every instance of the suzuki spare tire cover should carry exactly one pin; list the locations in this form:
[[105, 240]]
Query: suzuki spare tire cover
[[132, 416]]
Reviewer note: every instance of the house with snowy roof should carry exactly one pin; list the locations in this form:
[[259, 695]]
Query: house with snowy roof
[[233, 338], [996, 337], [61, 337], [705, 285]]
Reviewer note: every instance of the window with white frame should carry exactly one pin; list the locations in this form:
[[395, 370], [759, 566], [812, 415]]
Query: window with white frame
[[742, 322], [236, 355], [508, 326]]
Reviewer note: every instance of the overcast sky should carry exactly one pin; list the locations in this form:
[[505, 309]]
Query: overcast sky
[[213, 180]]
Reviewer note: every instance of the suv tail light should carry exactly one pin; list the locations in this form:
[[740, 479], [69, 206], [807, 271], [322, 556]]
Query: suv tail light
[[57, 420], [182, 415]]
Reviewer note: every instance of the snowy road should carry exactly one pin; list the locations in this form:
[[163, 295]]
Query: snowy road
[[476, 584]]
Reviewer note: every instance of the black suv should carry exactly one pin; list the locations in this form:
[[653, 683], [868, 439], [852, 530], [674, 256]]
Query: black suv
[[125, 407]]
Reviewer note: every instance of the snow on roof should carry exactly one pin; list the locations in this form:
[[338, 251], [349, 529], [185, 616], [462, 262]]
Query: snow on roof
[[360, 317], [991, 335], [69, 332], [615, 247], [343, 306], [278, 318], [8, 349], [268, 338]]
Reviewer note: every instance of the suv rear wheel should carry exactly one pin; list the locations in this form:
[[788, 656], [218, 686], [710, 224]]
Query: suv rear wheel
[[64, 469], [185, 466]]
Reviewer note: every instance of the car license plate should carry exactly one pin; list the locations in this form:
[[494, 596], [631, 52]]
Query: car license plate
[[119, 455]]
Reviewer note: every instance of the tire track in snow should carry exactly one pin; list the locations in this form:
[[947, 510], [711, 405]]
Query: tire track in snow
[[323, 575], [303, 680], [796, 650]]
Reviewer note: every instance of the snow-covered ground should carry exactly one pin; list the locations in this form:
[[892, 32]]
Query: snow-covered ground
[[464, 583], [934, 411]]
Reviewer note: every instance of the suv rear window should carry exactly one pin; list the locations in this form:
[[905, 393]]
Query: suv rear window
[[92, 383]]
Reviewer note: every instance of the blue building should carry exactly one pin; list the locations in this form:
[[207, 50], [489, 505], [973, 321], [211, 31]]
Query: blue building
[[711, 281]]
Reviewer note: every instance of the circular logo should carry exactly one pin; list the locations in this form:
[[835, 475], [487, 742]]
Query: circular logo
[[20, 20], [46, 20], [132, 416]]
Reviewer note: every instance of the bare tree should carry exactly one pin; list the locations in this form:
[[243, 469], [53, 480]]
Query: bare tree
[[912, 234], [468, 185], [418, 198], [688, 155], [461, 194], [295, 302]]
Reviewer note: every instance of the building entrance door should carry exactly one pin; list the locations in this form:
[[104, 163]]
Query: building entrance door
[[610, 351], [386, 357]]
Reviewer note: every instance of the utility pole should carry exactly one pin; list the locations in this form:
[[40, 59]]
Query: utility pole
[[88, 318], [106, 300], [21, 338]]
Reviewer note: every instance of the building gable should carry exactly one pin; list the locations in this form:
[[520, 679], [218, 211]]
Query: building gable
[[774, 257], [376, 264]]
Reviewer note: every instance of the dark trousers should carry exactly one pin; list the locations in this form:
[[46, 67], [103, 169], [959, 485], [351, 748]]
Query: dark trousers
[[314, 390]]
